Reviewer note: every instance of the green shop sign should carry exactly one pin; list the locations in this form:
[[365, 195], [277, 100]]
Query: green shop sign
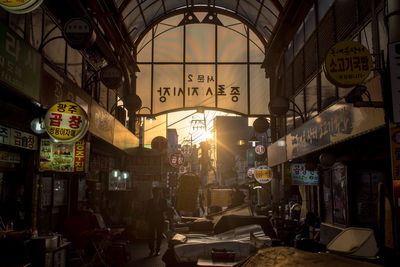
[[19, 63]]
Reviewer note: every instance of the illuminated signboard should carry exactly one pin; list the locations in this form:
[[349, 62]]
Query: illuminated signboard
[[301, 176], [263, 174], [66, 122], [13, 137], [64, 157], [348, 63]]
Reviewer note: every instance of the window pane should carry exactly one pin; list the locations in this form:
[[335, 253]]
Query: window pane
[[289, 119], [299, 39], [200, 85], [323, 6], [260, 90], [232, 87], [312, 99], [289, 54], [383, 38], [232, 47], [328, 91], [169, 46], [256, 49], [144, 49], [299, 100], [200, 40], [167, 82], [309, 22]]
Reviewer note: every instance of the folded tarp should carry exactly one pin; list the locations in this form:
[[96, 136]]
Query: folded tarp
[[227, 222], [241, 240]]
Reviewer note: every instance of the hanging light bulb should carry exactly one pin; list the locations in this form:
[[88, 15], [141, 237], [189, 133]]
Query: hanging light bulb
[[116, 173], [38, 126]]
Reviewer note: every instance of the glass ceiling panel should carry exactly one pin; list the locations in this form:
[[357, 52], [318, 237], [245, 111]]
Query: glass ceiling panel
[[154, 9], [172, 81], [172, 4], [232, 47], [228, 4], [144, 50], [260, 91], [169, 46], [199, 43], [232, 88], [249, 10], [256, 49]]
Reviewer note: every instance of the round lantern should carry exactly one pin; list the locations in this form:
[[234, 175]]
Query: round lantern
[[111, 76], [132, 102], [79, 33], [327, 159], [278, 105], [160, 144], [261, 125], [66, 122]]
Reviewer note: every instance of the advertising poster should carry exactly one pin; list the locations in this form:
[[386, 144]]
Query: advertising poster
[[63, 157]]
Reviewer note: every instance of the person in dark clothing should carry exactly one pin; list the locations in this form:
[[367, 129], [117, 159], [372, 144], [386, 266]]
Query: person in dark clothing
[[156, 210], [16, 212], [237, 197]]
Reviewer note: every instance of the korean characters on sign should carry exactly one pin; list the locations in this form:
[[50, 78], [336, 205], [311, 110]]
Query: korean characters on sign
[[260, 149], [176, 159], [348, 63], [66, 122], [200, 85], [263, 174]]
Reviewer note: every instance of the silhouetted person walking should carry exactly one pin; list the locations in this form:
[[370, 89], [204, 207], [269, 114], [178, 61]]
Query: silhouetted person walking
[[156, 210]]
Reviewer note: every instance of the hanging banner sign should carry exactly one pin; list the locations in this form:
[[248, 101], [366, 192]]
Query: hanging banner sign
[[263, 174], [176, 159], [64, 157], [260, 149], [66, 122], [13, 137], [250, 172], [348, 63], [20, 6]]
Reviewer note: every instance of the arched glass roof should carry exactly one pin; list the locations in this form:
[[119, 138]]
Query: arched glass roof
[[140, 15], [202, 60]]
